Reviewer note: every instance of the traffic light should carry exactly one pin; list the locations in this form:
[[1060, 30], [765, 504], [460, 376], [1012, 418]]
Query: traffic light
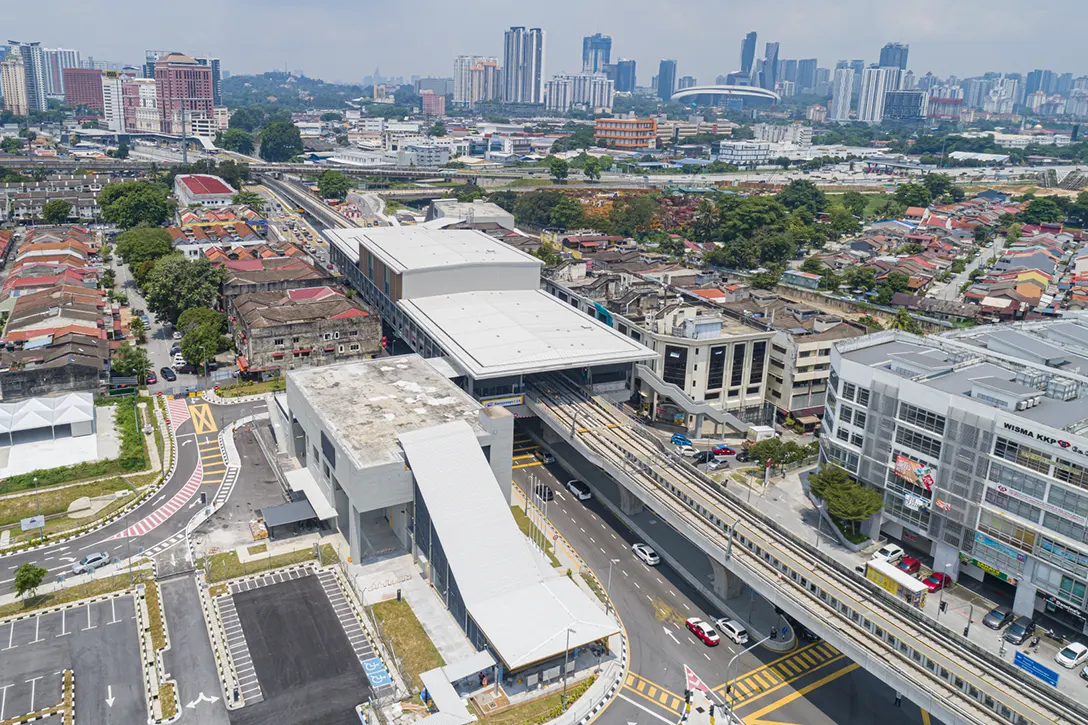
[[774, 634], [943, 606]]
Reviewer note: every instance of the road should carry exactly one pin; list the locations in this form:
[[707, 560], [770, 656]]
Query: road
[[812, 685], [951, 289], [190, 660]]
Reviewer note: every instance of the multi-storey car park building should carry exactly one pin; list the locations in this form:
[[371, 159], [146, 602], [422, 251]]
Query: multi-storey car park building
[[979, 441]]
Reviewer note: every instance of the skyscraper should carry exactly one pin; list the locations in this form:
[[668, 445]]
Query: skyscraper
[[113, 108], [858, 67], [484, 81], [769, 74], [462, 78], [56, 60], [34, 72], [842, 89], [894, 55], [806, 75], [596, 53], [150, 57], [217, 78], [83, 87], [625, 76], [13, 82], [874, 87], [666, 80], [748, 52], [524, 65], [687, 82], [184, 88]]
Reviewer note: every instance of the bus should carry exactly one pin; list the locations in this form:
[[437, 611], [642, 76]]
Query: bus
[[892, 579]]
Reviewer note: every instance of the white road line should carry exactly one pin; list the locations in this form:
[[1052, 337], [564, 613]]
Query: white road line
[[592, 540], [604, 552], [624, 572], [613, 536], [707, 656], [636, 584], [63, 624], [647, 710], [686, 606], [37, 626], [650, 598], [691, 640], [4, 698], [33, 687], [672, 592], [659, 581], [11, 638], [583, 530], [89, 619]]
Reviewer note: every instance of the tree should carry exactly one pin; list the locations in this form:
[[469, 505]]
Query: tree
[[829, 477], [871, 322], [504, 199], [247, 119], [237, 140], [982, 233], [783, 161], [280, 141], [199, 316], [139, 332], [200, 343], [841, 221], [1013, 233], [130, 361], [249, 198], [28, 578], [938, 184], [558, 168], [567, 214], [176, 284], [856, 202], [331, 116], [133, 203], [581, 137], [812, 265], [143, 244], [742, 133], [802, 194], [122, 151], [56, 211], [903, 321], [334, 184], [913, 195], [854, 503], [766, 280], [547, 255], [1040, 211], [1078, 211], [592, 169], [437, 129], [12, 145], [631, 215]]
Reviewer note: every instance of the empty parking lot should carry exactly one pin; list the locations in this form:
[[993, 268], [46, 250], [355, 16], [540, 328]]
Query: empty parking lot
[[98, 641], [305, 666]]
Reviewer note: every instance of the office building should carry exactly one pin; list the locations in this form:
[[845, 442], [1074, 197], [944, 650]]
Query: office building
[[13, 84], [150, 58], [56, 60], [748, 53], [976, 91], [666, 79], [596, 53], [789, 70], [841, 91], [745, 154], [894, 55], [906, 106], [217, 78], [769, 74], [591, 90], [485, 82], [34, 75], [626, 79], [524, 66], [113, 107], [874, 86], [140, 102], [687, 82], [795, 133], [806, 75], [858, 67], [976, 441], [184, 89], [1064, 85], [626, 133], [433, 104], [83, 87]]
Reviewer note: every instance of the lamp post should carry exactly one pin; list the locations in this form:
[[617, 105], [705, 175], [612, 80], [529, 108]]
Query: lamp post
[[729, 668], [608, 587], [38, 501], [819, 523], [940, 602], [566, 654]]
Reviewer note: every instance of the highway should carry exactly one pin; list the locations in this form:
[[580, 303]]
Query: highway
[[814, 683], [934, 667]]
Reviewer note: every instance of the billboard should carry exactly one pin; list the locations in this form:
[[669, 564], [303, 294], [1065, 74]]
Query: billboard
[[917, 473]]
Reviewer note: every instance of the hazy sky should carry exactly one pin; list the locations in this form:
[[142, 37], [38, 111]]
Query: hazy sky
[[343, 40]]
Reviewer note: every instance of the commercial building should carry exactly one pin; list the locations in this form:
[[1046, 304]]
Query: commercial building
[[874, 87], [626, 78], [596, 53], [461, 67], [666, 80], [977, 440], [748, 53], [906, 106], [185, 93], [33, 74], [113, 108], [768, 77], [687, 82], [83, 87], [25, 200], [139, 101], [841, 92], [894, 55], [626, 133], [216, 77], [793, 133], [13, 84], [744, 153], [524, 66], [210, 191], [806, 75], [432, 103], [425, 154], [56, 60]]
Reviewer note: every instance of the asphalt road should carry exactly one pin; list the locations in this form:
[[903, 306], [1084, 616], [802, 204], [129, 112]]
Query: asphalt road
[[951, 290], [812, 685], [190, 660]]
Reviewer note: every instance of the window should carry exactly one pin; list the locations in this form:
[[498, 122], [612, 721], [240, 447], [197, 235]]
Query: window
[[736, 375], [278, 342], [848, 391], [923, 443], [327, 336], [1068, 501], [1062, 526], [846, 414], [295, 339], [856, 439], [803, 353], [1023, 455], [1071, 473], [676, 365], [1007, 531], [842, 434], [863, 397], [353, 333], [759, 353], [781, 350], [777, 364], [922, 418], [1017, 480], [716, 373], [859, 419], [1018, 508], [340, 348], [752, 390], [355, 347]]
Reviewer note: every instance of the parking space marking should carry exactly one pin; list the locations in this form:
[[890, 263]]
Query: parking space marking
[[89, 625], [33, 688], [11, 639], [63, 623], [4, 699], [37, 627], [239, 648]]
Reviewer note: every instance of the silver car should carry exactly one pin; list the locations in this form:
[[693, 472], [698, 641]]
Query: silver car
[[91, 562]]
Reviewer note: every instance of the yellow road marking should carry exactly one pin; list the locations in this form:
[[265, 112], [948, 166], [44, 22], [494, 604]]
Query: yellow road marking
[[925, 718], [754, 718], [788, 656], [641, 685], [651, 692], [630, 679], [758, 677], [523, 457], [664, 698], [528, 465], [644, 696], [203, 420], [780, 685]]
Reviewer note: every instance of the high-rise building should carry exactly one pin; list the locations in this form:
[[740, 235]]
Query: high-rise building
[[140, 104], [806, 75], [592, 90], [859, 67], [769, 75], [150, 58], [83, 87], [625, 76], [34, 72], [434, 104], [13, 83], [113, 107], [874, 86], [687, 82], [841, 92], [906, 106], [56, 60], [1034, 81], [789, 70], [462, 77], [666, 79], [217, 77], [485, 82], [908, 82], [184, 89], [524, 66], [894, 55], [748, 52], [975, 92], [596, 53], [559, 94], [1064, 85]]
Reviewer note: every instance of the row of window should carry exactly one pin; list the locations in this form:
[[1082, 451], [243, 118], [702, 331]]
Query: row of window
[[852, 416], [919, 442], [281, 341], [922, 418], [1041, 461], [856, 394], [845, 435]]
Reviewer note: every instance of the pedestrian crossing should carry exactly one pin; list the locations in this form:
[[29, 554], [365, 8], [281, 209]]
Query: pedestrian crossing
[[654, 693], [239, 650], [157, 517], [178, 409], [267, 580], [785, 669], [525, 452]]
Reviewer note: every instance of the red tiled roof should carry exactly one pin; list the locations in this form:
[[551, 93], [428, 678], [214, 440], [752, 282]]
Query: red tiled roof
[[201, 184], [309, 293], [354, 312]]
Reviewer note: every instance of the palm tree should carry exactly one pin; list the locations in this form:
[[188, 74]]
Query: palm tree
[[903, 321]]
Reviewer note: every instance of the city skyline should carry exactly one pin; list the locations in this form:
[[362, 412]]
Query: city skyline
[[851, 29]]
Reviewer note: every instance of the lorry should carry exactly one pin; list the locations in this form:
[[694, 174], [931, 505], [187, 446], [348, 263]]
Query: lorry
[[758, 434]]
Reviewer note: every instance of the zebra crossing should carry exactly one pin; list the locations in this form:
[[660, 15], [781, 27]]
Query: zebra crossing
[[266, 580], [156, 518], [248, 685]]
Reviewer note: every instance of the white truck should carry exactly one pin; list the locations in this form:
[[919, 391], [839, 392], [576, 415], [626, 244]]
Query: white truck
[[758, 433]]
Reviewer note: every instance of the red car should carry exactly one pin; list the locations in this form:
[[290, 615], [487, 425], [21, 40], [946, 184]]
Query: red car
[[723, 451], [909, 564], [152, 379], [704, 632], [937, 580]]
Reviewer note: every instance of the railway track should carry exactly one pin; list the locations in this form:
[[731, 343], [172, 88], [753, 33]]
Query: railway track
[[958, 677]]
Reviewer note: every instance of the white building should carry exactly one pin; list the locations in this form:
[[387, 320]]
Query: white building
[[875, 83], [841, 90], [425, 154], [209, 191], [559, 94], [56, 60], [112, 101], [793, 133], [524, 65], [744, 153]]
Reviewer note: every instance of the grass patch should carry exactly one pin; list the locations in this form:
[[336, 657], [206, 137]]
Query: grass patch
[[542, 710], [594, 585], [69, 701], [217, 590], [532, 532], [248, 388], [154, 614], [55, 501], [257, 549], [406, 636], [222, 567], [873, 200], [160, 444], [167, 701], [115, 583], [849, 534]]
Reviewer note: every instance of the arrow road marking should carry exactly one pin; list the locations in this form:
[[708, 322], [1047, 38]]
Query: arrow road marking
[[202, 698], [160, 498], [68, 558], [187, 441], [109, 695], [671, 635]]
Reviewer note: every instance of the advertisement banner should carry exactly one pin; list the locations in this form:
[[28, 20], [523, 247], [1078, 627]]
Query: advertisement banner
[[504, 401], [915, 503], [988, 569], [1006, 550], [917, 473], [1051, 508]]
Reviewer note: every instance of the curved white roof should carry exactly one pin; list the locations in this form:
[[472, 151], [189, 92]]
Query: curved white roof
[[738, 91], [37, 413]]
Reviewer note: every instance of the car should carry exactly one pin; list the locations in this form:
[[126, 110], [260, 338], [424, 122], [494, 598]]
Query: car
[[186, 369], [937, 580], [890, 553], [909, 564], [687, 451], [998, 617], [1073, 655], [179, 359], [579, 489], [743, 456], [703, 631], [1020, 630], [732, 629], [545, 457], [715, 463], [646, 554], [168, 374], [152, 379], [723, 451], [544, 493], [176, 335], [702, 457], [680, 440], [91, 562]]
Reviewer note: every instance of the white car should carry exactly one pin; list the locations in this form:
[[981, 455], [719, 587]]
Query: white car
[[177, 335], [1073, 655], [732, 629], [687, 451], [889, 553], [91, 562], [580, 490], [646, 554], [715, 463]]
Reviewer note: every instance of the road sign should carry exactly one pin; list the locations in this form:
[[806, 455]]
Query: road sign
[[376, 672], [34, 522], [555, 537], [1032, 667]]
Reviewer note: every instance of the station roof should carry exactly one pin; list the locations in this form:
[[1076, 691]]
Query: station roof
[[417, 248], [514, 332]]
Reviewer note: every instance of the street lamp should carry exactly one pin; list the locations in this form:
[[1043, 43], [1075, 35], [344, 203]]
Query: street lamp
[[729, 668], [608, 587], [819, 523], [944, 584], [38, 501], [566, 654]]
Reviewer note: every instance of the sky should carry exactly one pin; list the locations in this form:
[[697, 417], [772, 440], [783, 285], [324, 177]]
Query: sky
[[344, 40]]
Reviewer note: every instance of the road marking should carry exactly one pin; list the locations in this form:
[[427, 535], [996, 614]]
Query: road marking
[[203, 420], [754, 718], [647, 710], [4, 699], [113, 610], [636, 584], [686, 606], [613, 536], [707, 656], [672, 592], [63, 624], [592, 540], [37, 626], [925, 718], [11, 638], [89, 619], [624, 572], [650, 598], [33, 688]]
